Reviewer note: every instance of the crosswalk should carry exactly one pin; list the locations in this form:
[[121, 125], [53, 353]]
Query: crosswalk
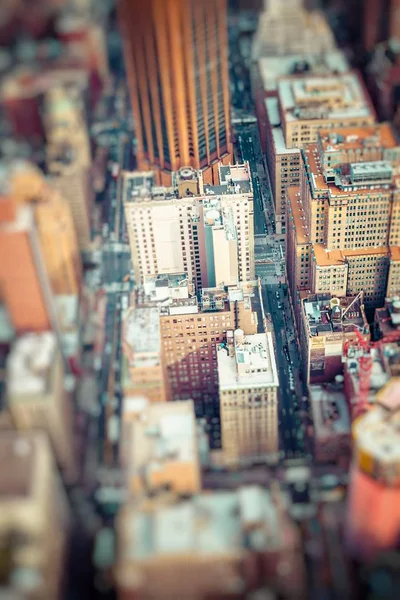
[[116, 288], [115, 247]]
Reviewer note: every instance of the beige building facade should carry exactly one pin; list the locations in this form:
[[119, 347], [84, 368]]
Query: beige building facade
[[248, 393], [190, 332], [303, 105], [343, 217], [160, 447], [327, 323], [202, 230]]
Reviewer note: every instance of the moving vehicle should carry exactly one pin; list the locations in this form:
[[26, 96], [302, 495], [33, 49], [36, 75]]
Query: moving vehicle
[[115, 169]]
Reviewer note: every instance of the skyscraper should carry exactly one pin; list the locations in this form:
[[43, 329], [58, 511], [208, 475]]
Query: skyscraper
[[205, 231], [248, 387], [342, 222], [176, 58]]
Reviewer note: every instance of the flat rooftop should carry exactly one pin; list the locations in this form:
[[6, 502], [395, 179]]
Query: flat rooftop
[[238, 173], [329, 410], [273, 67], [166, 286], [207, 525], [29, 364], [256, 356], [329, 258], [333, 97], [162, 433], [19, 456], [140, 186], [325, 314], [349, 179], [272, 108], [215, 215], [358, 138], [142, 331]]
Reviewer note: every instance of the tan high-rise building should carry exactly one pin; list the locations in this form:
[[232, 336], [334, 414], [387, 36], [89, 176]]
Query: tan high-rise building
[[200, 229], [39, 397], [160, 446], [69, 158], [189, 330], [268, 70], [176, 58], [326, 324], [305, 104], [54, 223], [343, 220], [248, 394], [34, 519]]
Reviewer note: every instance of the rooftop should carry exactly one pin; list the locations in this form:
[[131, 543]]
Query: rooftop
[[272, 108], [273, 67], [19, 459], [140, 186], [332, 97], [168, 285], [346, 179], [388, 317], [377, 432], [142, 334], [29, 364], [380, 135], [207, 525], [329, 410], [238, 173], [215, 215], [250, 364], [329, 258], [163, 436], [325, 314]]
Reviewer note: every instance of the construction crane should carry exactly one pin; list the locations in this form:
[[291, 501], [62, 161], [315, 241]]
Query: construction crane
[[365, 366]]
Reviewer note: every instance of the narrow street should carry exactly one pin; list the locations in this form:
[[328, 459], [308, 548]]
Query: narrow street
[[115, 267], [269, 255]]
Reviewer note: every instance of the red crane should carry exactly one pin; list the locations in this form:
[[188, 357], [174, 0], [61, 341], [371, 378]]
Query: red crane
[[365, 366]]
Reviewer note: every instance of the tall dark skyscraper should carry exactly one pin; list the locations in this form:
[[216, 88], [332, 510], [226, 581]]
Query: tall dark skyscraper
[[176, 57]]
